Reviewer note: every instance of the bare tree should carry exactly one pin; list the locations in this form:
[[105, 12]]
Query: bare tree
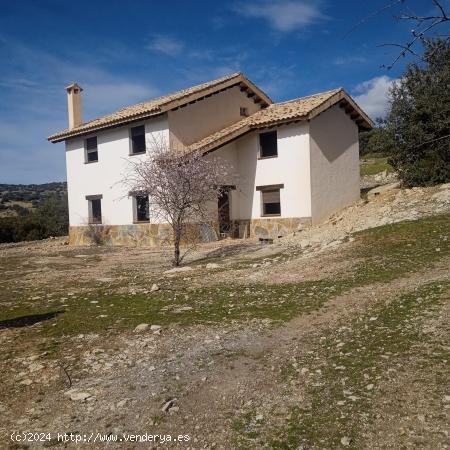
[[181, 187], [435, 24]]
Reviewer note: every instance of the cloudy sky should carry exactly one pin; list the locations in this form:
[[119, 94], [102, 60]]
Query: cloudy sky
[[126, 52]]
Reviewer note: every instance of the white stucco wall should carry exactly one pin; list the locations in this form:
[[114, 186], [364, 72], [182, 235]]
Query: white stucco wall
[[200, 119], [334, 162], [103, 177], [291, 167]]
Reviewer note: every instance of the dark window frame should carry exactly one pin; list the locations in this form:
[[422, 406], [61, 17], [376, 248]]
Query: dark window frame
[[91, 209], [136, 218], [133, 138], [270, 189], [266, 154], [89, 151]]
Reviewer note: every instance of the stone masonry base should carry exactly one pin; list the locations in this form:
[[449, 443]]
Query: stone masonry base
[[154, 235]]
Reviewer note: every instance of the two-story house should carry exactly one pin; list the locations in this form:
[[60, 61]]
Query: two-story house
[[295, 162]]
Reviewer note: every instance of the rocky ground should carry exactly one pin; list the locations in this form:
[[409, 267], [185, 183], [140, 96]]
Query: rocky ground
[[335, 337]]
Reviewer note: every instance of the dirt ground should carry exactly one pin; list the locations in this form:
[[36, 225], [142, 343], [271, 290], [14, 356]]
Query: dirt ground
[[333, 337]]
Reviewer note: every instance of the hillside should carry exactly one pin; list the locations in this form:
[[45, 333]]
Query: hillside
[[18, 199]]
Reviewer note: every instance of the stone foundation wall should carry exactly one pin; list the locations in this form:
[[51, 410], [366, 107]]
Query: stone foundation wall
[[155, 235], [145, 234], [270, 228]]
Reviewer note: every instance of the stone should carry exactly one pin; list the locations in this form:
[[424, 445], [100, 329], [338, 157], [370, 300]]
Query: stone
[[369, 387], [168, 405], [382, 189], [447, 398], [155, 328], [77, 395], [345, 441], [178, 270], [154, 288], [141, 327], [26, 382], [122, 403], [212, 266], [259, 418]]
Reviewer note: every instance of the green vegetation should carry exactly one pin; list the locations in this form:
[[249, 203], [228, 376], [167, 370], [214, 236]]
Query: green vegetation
[[373, 163], [33, 211], [358, 353], [50, 218], [419, 121]]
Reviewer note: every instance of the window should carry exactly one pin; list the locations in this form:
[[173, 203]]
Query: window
[[141, 208], [137, 139], [244, 111], [95, 208], [268, 145], [91, 149], [270, 199]]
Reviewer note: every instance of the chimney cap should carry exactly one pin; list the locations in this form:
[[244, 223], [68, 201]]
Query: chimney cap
[[73, 86]]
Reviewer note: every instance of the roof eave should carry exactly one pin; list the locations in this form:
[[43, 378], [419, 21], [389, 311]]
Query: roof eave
[[239, 79]]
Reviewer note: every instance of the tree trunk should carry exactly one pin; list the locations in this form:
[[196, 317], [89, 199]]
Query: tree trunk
[[176, 244]]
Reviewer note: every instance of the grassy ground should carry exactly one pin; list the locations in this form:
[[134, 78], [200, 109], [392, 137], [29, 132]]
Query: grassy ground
[[372, 164], [358, 357], [382, 254]]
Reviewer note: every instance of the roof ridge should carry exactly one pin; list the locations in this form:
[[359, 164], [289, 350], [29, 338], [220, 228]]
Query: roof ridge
[[308, 96]]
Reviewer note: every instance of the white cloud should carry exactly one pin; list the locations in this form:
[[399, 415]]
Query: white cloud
[[283, 15], [166, 44], [371, 95]]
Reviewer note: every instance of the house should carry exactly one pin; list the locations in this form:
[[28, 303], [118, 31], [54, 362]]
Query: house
[[295, 162]]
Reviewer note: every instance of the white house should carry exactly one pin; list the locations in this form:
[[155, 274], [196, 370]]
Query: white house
[[295, 162]]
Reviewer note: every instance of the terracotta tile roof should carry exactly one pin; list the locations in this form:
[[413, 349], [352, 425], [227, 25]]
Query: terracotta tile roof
[[304, 108], [160, 105]]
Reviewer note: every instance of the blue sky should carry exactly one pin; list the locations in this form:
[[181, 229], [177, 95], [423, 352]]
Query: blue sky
[[125, 52]]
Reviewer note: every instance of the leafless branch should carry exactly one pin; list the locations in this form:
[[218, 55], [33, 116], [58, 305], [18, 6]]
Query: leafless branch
[[64, 369], [424, 25]]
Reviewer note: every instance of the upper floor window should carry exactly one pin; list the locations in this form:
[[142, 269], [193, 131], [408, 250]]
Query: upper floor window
[[95, 208], [141, 208], [268, 147], [137, 135], [91, 149]]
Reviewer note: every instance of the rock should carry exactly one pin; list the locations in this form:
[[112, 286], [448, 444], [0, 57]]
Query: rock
[[141, 327], [26, 382], [369, 387], [156, 328], [168, 405], [35, 367], [122, 403], [345, 441], [154, 288], [212, 266], [183, 309], [259, 418], [446, 398], [381, 189], [76, 396], [179, 269]]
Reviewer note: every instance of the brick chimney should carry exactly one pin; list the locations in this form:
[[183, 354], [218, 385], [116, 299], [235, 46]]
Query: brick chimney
[[74, 105]]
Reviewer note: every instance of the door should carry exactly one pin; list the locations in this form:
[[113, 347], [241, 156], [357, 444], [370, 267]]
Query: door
[[223, 207]]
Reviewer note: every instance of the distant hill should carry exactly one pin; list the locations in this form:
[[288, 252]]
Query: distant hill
[[19, 199]]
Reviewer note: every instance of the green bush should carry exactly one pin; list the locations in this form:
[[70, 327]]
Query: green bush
[[419, 119], [51, 218]]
